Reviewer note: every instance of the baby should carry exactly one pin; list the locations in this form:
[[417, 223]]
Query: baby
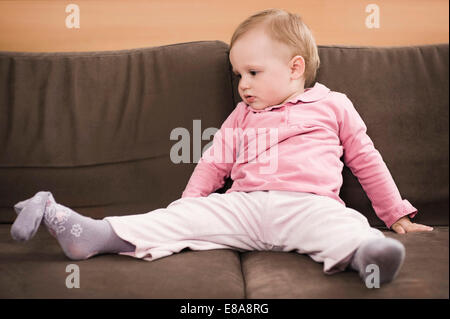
[[293, 205]]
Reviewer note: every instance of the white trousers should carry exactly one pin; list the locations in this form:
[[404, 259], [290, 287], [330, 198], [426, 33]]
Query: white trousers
[[306, 223]]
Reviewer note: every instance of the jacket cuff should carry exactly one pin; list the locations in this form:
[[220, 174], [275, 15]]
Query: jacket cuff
[[403, 209]]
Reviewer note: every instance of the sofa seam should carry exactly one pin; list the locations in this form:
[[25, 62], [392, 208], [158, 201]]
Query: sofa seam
[[243, 276], [344, 46], [99, 53], [83, 165]]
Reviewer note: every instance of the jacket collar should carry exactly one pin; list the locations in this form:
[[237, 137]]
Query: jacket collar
[[316, 93]]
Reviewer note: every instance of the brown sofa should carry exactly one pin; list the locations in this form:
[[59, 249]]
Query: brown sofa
[[94, 129]]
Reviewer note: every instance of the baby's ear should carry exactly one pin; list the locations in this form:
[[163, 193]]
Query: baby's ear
[[297, 66]]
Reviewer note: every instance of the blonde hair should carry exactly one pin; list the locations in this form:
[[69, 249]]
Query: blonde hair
[[289, 29]]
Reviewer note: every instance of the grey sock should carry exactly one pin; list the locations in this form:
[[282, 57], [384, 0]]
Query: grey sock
[[387, 253], [80, 237]]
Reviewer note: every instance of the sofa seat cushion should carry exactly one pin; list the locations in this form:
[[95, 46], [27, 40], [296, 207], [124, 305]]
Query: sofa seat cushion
[[425, 273], [37, 269]]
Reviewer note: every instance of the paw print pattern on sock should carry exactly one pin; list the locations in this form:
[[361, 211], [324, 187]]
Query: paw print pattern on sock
[[76, 230], [55, 218]]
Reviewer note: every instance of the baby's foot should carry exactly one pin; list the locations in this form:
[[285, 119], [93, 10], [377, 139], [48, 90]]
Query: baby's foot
[[80, 237], [30, 213], [387, 253]]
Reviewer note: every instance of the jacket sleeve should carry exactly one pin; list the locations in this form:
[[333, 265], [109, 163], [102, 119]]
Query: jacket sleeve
[[367, 165], [216, 162]]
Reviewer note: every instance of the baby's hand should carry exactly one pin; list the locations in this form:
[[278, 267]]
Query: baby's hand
[[404, 225]]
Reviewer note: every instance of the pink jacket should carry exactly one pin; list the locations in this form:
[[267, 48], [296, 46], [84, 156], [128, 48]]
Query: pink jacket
[[297, 146]]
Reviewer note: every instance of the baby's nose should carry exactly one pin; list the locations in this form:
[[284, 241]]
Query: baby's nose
[[243, 85]]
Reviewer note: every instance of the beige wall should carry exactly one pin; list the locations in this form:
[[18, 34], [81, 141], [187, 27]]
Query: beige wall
[[112, 24]]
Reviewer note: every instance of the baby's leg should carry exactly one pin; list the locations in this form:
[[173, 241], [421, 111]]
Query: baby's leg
[[217, 221], [80, 237], [331, 233]]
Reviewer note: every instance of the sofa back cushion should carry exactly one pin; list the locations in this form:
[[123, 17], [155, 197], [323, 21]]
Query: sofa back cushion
[[94, 127], [402, 95]]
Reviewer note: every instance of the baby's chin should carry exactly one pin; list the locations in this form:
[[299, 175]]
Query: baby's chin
[[258, 105]]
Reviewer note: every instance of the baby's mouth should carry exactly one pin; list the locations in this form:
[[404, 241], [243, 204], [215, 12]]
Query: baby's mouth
[[249, 98]]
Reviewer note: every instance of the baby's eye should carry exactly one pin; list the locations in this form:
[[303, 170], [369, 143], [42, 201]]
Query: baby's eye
[[253, 73]]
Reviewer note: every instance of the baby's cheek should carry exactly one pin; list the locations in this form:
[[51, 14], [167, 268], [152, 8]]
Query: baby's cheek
[[273, 96], [241, 93]]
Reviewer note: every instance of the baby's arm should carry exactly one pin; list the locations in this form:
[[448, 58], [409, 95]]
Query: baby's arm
[[212, 170], [367, 165]]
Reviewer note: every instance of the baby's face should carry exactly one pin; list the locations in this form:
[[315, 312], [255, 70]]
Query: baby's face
[[263, 67]]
